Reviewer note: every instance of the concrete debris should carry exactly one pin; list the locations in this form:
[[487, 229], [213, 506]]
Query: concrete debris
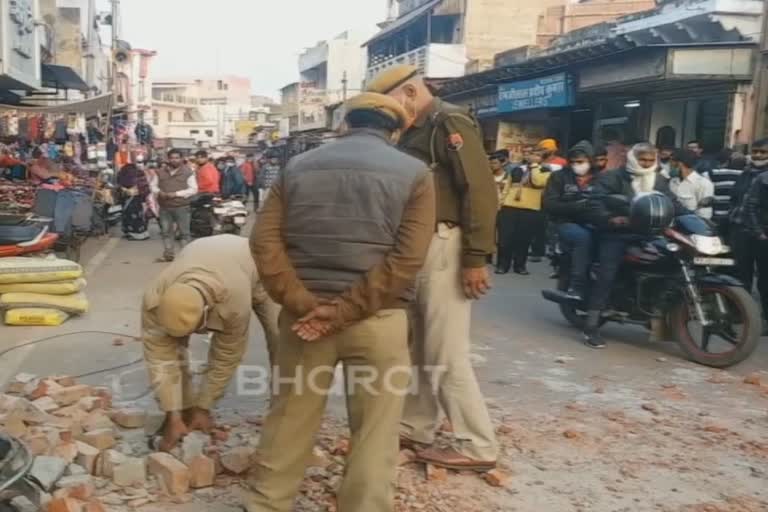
[[48, 470], [238, 460]]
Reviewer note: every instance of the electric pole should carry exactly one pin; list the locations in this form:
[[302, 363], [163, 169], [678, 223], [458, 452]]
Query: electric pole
[[344, 83], [90, 64]]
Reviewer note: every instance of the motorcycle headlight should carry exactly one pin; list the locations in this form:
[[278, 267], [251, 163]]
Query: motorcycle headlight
[[709, 245]]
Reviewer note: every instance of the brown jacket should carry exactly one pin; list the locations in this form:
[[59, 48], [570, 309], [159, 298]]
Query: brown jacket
[[380, 288]]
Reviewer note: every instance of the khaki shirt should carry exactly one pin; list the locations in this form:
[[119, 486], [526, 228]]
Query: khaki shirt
[[222, 268], [466, 193]]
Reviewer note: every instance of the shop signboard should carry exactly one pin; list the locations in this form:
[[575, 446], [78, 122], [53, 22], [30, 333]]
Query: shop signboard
[[19, 45], [553, 91]]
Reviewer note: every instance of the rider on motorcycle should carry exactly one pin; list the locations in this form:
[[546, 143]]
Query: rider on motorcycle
[[639, 176], [566, 201]]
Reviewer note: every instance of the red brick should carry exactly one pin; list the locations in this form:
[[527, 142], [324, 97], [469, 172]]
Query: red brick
[[172, 474], [97, 420], [67, 451], [406, 457], [753, 379], [496, 478], [64, 380], [41, 388], [64, 505], [436, 474], [87, 456], [341, 448], [130, 418], [102, 439], [94, 506]]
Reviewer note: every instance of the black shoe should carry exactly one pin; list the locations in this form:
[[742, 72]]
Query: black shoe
[[593, 339], [535, 259], [574, 295], [522, 272], [501, 271]]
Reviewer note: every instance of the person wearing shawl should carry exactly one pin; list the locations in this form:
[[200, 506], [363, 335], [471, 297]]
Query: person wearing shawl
[[134, 191], [638, 177]]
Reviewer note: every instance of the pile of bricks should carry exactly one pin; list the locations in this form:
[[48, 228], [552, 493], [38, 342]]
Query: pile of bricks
[[82, 460]]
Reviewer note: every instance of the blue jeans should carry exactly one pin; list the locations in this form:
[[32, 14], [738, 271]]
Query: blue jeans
[[578, 241]]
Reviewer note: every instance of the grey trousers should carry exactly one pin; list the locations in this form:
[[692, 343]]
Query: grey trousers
[[170, 219]]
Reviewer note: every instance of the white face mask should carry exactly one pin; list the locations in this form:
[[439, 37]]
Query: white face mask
[[758, 163], [581, 169]]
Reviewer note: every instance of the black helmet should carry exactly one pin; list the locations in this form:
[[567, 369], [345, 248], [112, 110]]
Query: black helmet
[[651, 213]]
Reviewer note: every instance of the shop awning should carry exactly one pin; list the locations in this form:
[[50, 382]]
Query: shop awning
[[89, 106], [62, 77], [404, 21]]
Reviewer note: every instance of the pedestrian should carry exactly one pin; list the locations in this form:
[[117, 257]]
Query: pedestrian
[[600, 160], [521, 217], [665, 157], [134, 194], [694, 191], [730, 165], [248, 170], [566, 201], [704, 165], [496, 161], [743, 228], [339, 242], [174, 185], [449, 140], [543, 236], [233, 183], [208, 177], [268, 176], [212, 287], [757, 223]]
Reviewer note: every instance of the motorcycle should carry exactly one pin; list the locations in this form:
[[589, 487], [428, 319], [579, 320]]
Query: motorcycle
[[212, 216], [674, 282], [15, 465], [25, 234]]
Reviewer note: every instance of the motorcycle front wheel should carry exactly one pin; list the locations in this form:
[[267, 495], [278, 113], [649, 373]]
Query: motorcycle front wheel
[[732, 334]]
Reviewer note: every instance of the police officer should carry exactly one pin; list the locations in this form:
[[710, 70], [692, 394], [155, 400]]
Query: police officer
[[211, 287], [338, 243], [449, 140]]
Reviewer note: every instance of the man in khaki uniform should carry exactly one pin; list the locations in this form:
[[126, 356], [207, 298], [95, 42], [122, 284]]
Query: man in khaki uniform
[[211, 287], [338, 243], [449, 140]]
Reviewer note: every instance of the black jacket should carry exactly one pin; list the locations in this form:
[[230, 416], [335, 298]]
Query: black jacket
[[738, 214], [756, 206], [619, 182], [564, 200]]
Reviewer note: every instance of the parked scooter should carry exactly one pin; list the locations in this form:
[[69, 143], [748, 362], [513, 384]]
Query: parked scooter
[[673, 280], [212, 216], [25, 235]]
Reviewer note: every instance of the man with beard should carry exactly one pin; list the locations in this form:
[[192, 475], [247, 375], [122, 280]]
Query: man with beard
[[174, 185], [447, 138]]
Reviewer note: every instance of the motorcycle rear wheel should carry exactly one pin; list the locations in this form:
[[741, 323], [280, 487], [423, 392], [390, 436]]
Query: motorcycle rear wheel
[[742, 311], [569, 311]]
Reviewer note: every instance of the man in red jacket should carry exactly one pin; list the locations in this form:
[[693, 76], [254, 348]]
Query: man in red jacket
[[208, 176]]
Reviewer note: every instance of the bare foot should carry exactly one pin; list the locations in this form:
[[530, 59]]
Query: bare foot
[[199, 419], [174, 431]]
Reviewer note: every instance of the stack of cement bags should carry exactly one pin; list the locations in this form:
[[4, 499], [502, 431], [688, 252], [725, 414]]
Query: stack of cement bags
[[41, 291]]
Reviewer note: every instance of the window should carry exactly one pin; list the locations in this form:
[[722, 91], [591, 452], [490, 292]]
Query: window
[[194, 132], [220, 85], [170, 116], [209, 133], [155, 117], [226, 87]]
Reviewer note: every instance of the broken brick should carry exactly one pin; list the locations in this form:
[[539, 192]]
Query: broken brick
[[133, 471], [436, 474], [496, 478], [753, 379], [102, 439], [64, 380], [571, 434], [70, 395], [64, 505], [77, 487], [202, 472], [406, 457], [108, 461], [237, 461], [341, 448], [171, 473], [97, 420], [41, 388], [67, 451], [87, 456], [91, 403], [130, 418]]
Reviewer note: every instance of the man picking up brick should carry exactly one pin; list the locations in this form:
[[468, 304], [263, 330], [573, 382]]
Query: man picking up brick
[[211, 287]]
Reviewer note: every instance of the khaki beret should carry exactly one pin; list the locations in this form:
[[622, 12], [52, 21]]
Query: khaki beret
[[180, 310], [381, 103], [391, 78]]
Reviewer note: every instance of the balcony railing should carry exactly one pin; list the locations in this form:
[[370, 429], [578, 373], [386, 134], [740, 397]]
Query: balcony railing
[[437, 60], [174, 98]]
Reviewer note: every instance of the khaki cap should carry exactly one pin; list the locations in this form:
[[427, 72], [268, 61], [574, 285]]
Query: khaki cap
[[392, 78], [380, 103], [180, 310]]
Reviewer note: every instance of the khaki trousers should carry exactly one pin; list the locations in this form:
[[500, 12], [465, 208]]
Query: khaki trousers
[[168, 366], [441, 352], [376, 365]]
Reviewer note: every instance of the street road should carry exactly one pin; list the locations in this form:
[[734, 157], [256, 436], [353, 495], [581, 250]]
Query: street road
[[634, 427]]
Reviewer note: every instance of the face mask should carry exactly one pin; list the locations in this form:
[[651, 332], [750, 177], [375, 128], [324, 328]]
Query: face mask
[[758, 163], [674, 172], [581, 169]]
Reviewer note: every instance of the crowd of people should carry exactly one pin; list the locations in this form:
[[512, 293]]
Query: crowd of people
[[165, 189], [729, 190]]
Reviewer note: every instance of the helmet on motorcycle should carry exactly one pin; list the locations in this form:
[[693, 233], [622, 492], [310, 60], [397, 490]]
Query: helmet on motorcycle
[[651, 213]]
